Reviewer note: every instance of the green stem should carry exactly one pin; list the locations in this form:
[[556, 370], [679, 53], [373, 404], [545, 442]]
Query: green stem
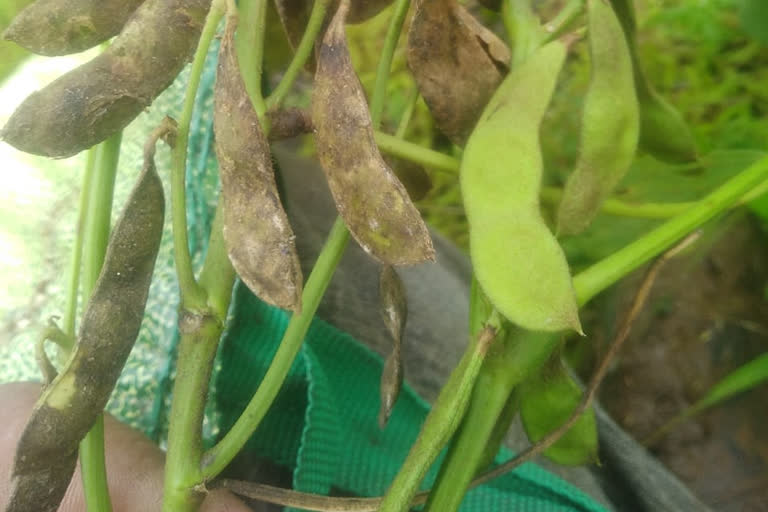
[[523, 27], [392, 145], [217, 458], [303, 51], [192, 295], [96, 234], [385, 63], [73, 286], [563, 20], [604, 273], [507, 364], [249, 44], [197, 350], [405, 119], [440, 424]]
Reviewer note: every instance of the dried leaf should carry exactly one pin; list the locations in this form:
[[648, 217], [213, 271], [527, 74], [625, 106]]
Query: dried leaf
[[394, 312], [457, 64], [61, 27], [88, 104], [66, 410], [258, 236], [373, 203]]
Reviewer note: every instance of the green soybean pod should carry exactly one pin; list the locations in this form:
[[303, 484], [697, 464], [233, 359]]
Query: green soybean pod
[[68, 407], [663, 132], [610, 123], [88, 104], [516, 259], [547, 400], [61, 27]]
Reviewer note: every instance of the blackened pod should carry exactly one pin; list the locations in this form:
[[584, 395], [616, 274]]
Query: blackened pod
[[61, 27], [373, 203], [47, 451], [394, 312], [258, 236], [457, 64], [88, 104]]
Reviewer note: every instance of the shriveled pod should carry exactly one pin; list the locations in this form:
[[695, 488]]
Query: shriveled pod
[[457, 64], [61, 27], [394, 312], [373, 203], [258, 236], [663, 132], [295, 14], [547, 400], [68, 407], [88, 104], [610, 123], [516, 259]]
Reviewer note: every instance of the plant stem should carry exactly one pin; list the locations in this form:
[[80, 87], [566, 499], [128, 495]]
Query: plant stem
[[303, 51], [405, 119], [563, 20], [523, 27], [392, 145], [249, 44], [387, 51], [507, 364], [103, 169], [607, 271], [192, 295], [217, 458]]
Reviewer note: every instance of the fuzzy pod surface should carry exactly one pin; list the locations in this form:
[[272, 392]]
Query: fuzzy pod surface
[[61, 27], [88, 104], [69, 406], [516, 259], [374, 204], [610, 123], [257, 234]]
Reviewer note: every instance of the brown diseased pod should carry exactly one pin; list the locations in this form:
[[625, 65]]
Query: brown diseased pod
[[394, 312], [66, 410], [258, 236], [90, 103], [61, 27], [457, 64], [373, 203]]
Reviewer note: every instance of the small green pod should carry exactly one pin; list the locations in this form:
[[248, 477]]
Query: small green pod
[[374, 204], [394, 312], [547, 400], [516, 259], [257, 233], [457, 64], [88, 104], [610, 123], [61, 27], [664, 134], [68, 407]]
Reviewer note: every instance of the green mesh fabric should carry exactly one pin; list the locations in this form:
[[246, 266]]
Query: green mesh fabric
[[323, 424]]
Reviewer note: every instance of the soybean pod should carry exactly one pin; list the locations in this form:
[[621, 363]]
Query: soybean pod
[[457, 64], [547, 399], [664, 134], [88, 104], [258, 236], [374, 204], [61, 27], [394, 312], [68, 407], [610, 122], [516, 259]]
